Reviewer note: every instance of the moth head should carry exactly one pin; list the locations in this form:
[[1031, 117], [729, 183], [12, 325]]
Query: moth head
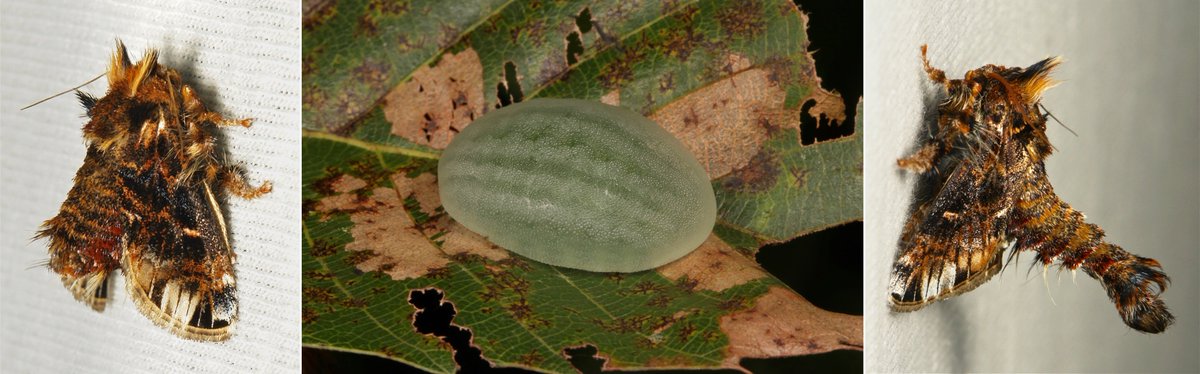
[[141, 104], [1007, 98]]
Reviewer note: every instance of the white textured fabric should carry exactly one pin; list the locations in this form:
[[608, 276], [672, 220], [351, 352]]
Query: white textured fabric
[[1131, 89], [244, 59]]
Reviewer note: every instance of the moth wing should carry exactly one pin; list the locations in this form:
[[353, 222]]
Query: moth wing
[[180, 269], [87, 235], [953, 242]]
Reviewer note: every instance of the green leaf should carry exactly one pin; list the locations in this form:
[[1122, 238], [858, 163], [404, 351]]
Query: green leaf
[[387, 87]]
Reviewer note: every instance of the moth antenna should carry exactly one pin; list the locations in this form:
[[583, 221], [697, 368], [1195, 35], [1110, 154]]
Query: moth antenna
[[1056, 119], [64, 92]]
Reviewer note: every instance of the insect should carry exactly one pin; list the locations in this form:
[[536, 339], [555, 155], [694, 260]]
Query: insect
[[988, 193], [146, 201], [579, 184]]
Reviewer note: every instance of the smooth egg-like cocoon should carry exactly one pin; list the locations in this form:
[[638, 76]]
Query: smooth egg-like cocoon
[[578, 184]]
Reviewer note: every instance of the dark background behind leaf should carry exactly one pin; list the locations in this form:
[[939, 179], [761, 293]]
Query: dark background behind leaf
[[825, 267]]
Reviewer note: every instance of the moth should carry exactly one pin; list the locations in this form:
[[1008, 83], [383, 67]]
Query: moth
[[986, 193], [146, 201]]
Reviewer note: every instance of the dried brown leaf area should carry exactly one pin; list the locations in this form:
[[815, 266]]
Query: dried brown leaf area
[[714, 266], [725, 123], [781, 323], [387, 239], [438, 101]]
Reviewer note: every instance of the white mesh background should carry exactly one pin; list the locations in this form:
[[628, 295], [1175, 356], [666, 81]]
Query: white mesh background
[[1130, 89], [244, 59]]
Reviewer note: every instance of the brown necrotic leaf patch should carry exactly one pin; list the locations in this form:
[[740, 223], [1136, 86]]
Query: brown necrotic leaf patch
[[316, 12], [782, 323], [387, 239], [759, 175], [438, 101], [713, 266], [725, 123], [455, 239], [383, 229], [386, 229], [742, 19], [612, 98]]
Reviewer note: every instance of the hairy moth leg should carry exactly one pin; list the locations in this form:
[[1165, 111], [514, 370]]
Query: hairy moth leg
[[232, 179], [194, 107]]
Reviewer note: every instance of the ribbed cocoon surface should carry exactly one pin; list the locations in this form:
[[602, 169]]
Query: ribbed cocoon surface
[[578, 184]]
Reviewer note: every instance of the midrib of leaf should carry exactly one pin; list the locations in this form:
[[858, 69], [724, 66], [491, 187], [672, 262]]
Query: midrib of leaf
[[377, 149], [588, 57], [346, 292]]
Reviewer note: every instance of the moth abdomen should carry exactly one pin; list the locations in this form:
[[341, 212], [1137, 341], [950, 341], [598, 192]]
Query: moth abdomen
[[1058, 233]]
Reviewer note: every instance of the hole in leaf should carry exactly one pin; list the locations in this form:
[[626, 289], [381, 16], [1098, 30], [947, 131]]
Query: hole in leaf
[[584, 21], [514, 86], [584, 358], [838, 34], [574, 48], [502, 94], [434, 316], [814, 129], [841, 361], [825, 266], [509, 90]]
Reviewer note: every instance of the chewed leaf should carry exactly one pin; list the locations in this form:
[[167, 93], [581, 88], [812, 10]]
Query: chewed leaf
[[730, 80]]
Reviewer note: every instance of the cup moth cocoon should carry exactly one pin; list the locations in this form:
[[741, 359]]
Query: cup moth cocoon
[[578, 184]]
